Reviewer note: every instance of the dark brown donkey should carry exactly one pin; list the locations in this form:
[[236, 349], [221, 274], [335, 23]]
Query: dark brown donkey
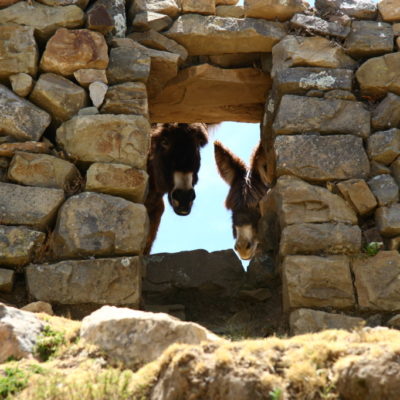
[[173, 165], [247, 187]]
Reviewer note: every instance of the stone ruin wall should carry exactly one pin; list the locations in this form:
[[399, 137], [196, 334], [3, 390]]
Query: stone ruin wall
[[80, 84]]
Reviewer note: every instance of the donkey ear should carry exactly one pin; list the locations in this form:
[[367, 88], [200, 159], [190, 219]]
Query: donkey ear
[[229, 165], [258, 165]]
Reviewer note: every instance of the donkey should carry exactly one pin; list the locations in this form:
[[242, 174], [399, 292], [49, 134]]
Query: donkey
[[173, 165], [247, 187]]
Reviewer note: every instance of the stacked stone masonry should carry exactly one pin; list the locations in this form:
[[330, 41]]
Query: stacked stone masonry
[[80, 85]]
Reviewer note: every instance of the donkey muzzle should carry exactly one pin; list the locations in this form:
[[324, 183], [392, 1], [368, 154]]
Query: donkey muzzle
[[181, 200]]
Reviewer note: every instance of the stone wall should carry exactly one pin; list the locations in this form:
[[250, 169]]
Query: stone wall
[[82, 80]]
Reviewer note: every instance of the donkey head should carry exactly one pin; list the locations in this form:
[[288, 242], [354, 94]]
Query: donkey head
[[246, 190], [176, 155]]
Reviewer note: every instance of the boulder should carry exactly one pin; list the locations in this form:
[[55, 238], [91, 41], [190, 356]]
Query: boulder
[[226, 2], [312, 281], [321, 158], [376, 281], [146, 20], [60, 97], [42, 170], [97, 93], [19, 331], [340, 95], [19, 118], [386, 114], [121, 139], [96, 281], [18, 50], [7, 277], [230, 11], [32, 206], [389, 10], [384, 147], [133, 338], [169, 7], [359, 9], [388, 220], [208, 35], [299, 114], [45, 20], [273, 9], [205, 7], [117, 180], [55, 3], [87, 76], [395, 170], [39, 307], [19, 245], [21, 84], [70, 50], [385, 189]]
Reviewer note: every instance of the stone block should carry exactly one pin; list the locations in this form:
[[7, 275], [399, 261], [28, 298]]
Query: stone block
[[299, 114], [378, 168], [321, 158], [26, 205], [312, 281], [241, 60], [388, 220], [389, 10], [387, 114], [39, 307], [93, 224], [377, 281], [144, 21], [385, 189], [7, 278], [21, 84], [273, 9], [205, 7], [87, 76], [365, 9], [121, 139], [54, 3], [108, 16], [97, 93], [230, 11], [395, 170], [325, 238], [340, 95], [169, 7], [117, 180], [101, 281]]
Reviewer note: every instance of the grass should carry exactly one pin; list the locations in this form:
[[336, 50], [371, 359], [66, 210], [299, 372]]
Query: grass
[[372, 248], [13, 381], [48, 343]]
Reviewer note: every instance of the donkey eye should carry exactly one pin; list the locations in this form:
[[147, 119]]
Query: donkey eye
[[164, 144]]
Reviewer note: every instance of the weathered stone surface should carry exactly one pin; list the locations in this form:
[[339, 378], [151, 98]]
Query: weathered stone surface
[[379, 75], [18, 333], [18, 50], [377, 281], [19, 118], [308, 321], [21, 84], [205, 7], [385, 189], [295, 201], [88, 111], [358, 195], [364, 9], [126, 98], [39, 307], [58, 96], [87, 76], [326, 238], [208, 35], [155, 40], [108, 16], [340, 95], [369, 38], [240, 60], [42, 170], [387, 114], [395, 170], [7, 277], [117, 180], [226, 2], [45, 20], [6, 3], [70, 50], [97, 93], [18, 245], [384, 146], [128, 64], [230, 11], [101, 281], [389, 10], [298, 114], [394, 322], [300, 80], [92, 224], [311, 281], [208, 93], [107, 138], [321, 158], [319, 26], [378, 168], [31, 206], [273, 9], [54, 3], [217, 272], [151, 20], [168, 7], [298, 51], [134, 338], [388, 220]]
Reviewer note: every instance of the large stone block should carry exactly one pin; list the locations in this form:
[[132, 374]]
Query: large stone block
[[168, 7], [325, 238], [121, 139], [18, 51], [7, 277], [70, 50], [387, 114], [273, 9], [230, 11], [80, 3], [389, 10], [312, 281], [321, 158], [92, 224], [205, 7], [58, 96], [208, 93], [26, 205], [19, 118], [385, 189], [364, 9], [298, 51], [388, 220], [299, 114], [208, 35], [384, 146], [377, 281], [45, 20], [146, 20], [18, 245], [102, 281], [87, 76]]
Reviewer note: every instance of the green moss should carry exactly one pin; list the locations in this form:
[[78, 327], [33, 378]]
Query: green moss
[[48, 342], [12, 380]]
